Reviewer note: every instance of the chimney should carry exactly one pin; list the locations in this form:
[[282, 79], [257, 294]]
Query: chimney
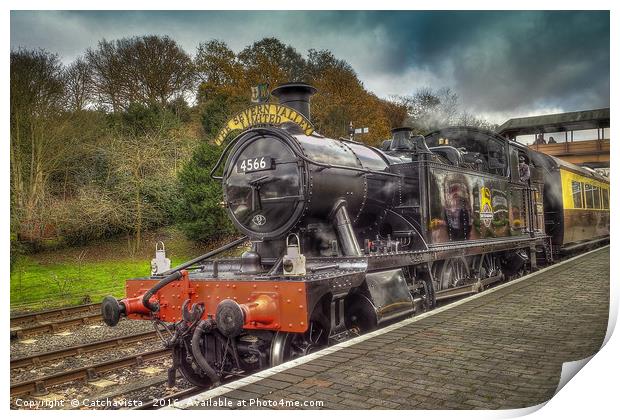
[[296, 96]]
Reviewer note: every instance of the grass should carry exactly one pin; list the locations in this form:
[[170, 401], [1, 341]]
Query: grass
[[76, 275]]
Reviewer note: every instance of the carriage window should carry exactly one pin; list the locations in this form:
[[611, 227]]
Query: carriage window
[[577, 200], [597, 197], [589, 193], [605, 192]]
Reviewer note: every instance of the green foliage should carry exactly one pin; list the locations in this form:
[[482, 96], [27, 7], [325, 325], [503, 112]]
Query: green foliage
[[180, 109], [140, 119], [74, 275], [216, 109], [200, 215], [215, 112]]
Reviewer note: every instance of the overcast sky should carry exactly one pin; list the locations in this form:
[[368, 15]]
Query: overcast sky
[[501, 64]]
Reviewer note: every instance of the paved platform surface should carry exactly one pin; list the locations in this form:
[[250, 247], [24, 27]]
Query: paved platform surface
[[503, 348]]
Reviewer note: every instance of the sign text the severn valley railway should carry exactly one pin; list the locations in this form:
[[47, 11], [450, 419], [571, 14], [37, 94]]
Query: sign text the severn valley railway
[[267, 114]]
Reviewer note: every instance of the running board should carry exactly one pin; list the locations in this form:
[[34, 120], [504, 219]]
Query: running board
[[571, 248]]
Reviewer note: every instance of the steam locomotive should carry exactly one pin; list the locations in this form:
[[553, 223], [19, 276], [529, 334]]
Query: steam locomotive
[[346, 237]]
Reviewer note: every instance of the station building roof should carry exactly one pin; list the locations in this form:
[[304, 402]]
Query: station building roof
[[567, 121]]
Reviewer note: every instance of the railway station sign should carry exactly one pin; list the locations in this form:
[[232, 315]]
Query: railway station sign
[[265, 114], [260, 93]]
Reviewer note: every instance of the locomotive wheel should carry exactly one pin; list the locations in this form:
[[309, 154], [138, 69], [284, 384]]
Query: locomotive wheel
[[450, 273], [288, 346], [428, 297], [188, 367], [488, 265]]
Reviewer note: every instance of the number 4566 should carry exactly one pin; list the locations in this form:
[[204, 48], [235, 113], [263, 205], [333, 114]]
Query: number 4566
[[255, 164]]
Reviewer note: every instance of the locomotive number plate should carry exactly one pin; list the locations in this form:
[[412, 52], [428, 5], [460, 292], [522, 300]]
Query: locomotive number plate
[[262, 163]]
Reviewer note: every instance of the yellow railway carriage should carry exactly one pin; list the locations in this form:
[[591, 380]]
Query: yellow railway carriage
[[576, 202]]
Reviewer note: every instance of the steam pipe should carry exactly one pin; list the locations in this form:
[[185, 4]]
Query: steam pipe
[[153, 306], [202, 327], [347, 168], [344, 228]]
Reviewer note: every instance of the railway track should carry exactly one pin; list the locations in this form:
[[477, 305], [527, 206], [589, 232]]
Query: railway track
[[54, 320], [53, 325], [34, 360], [45, 316], [40, 385]]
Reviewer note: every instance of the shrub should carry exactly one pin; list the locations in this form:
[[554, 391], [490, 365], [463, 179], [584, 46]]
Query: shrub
[[200, 215]]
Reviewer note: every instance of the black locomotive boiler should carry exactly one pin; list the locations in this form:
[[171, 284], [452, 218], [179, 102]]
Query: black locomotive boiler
[[345, 237]]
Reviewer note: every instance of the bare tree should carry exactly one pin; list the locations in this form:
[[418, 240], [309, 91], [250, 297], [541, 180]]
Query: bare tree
[[144, 178], [429, 109], [270, 60], [37, 124], [216, 64], [146, 69], [163, 70], [470, 120], [107, 75], [78, 82]]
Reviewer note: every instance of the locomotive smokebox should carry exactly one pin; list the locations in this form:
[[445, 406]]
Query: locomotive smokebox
[[296, 96], [279, 180]]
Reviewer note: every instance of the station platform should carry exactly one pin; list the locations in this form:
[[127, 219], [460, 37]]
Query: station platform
[[500, 349]]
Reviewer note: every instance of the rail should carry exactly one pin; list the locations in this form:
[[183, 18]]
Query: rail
[[37, 359], [39, 385]]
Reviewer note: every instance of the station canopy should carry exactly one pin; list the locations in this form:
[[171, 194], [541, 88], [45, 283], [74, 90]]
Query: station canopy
[[567, 121]]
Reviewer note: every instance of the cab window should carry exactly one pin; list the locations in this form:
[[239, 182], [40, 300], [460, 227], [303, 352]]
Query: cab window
[[480, 150], [577, 199], [496, 157]]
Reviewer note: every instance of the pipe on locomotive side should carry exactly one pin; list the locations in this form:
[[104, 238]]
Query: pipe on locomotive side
[[344, 229]]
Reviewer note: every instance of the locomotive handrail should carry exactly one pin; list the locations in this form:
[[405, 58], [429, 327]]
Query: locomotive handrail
[[219, 160], [348, 168]]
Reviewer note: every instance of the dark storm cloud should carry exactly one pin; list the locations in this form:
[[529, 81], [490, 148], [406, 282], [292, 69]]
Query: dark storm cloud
[[501, 63]]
